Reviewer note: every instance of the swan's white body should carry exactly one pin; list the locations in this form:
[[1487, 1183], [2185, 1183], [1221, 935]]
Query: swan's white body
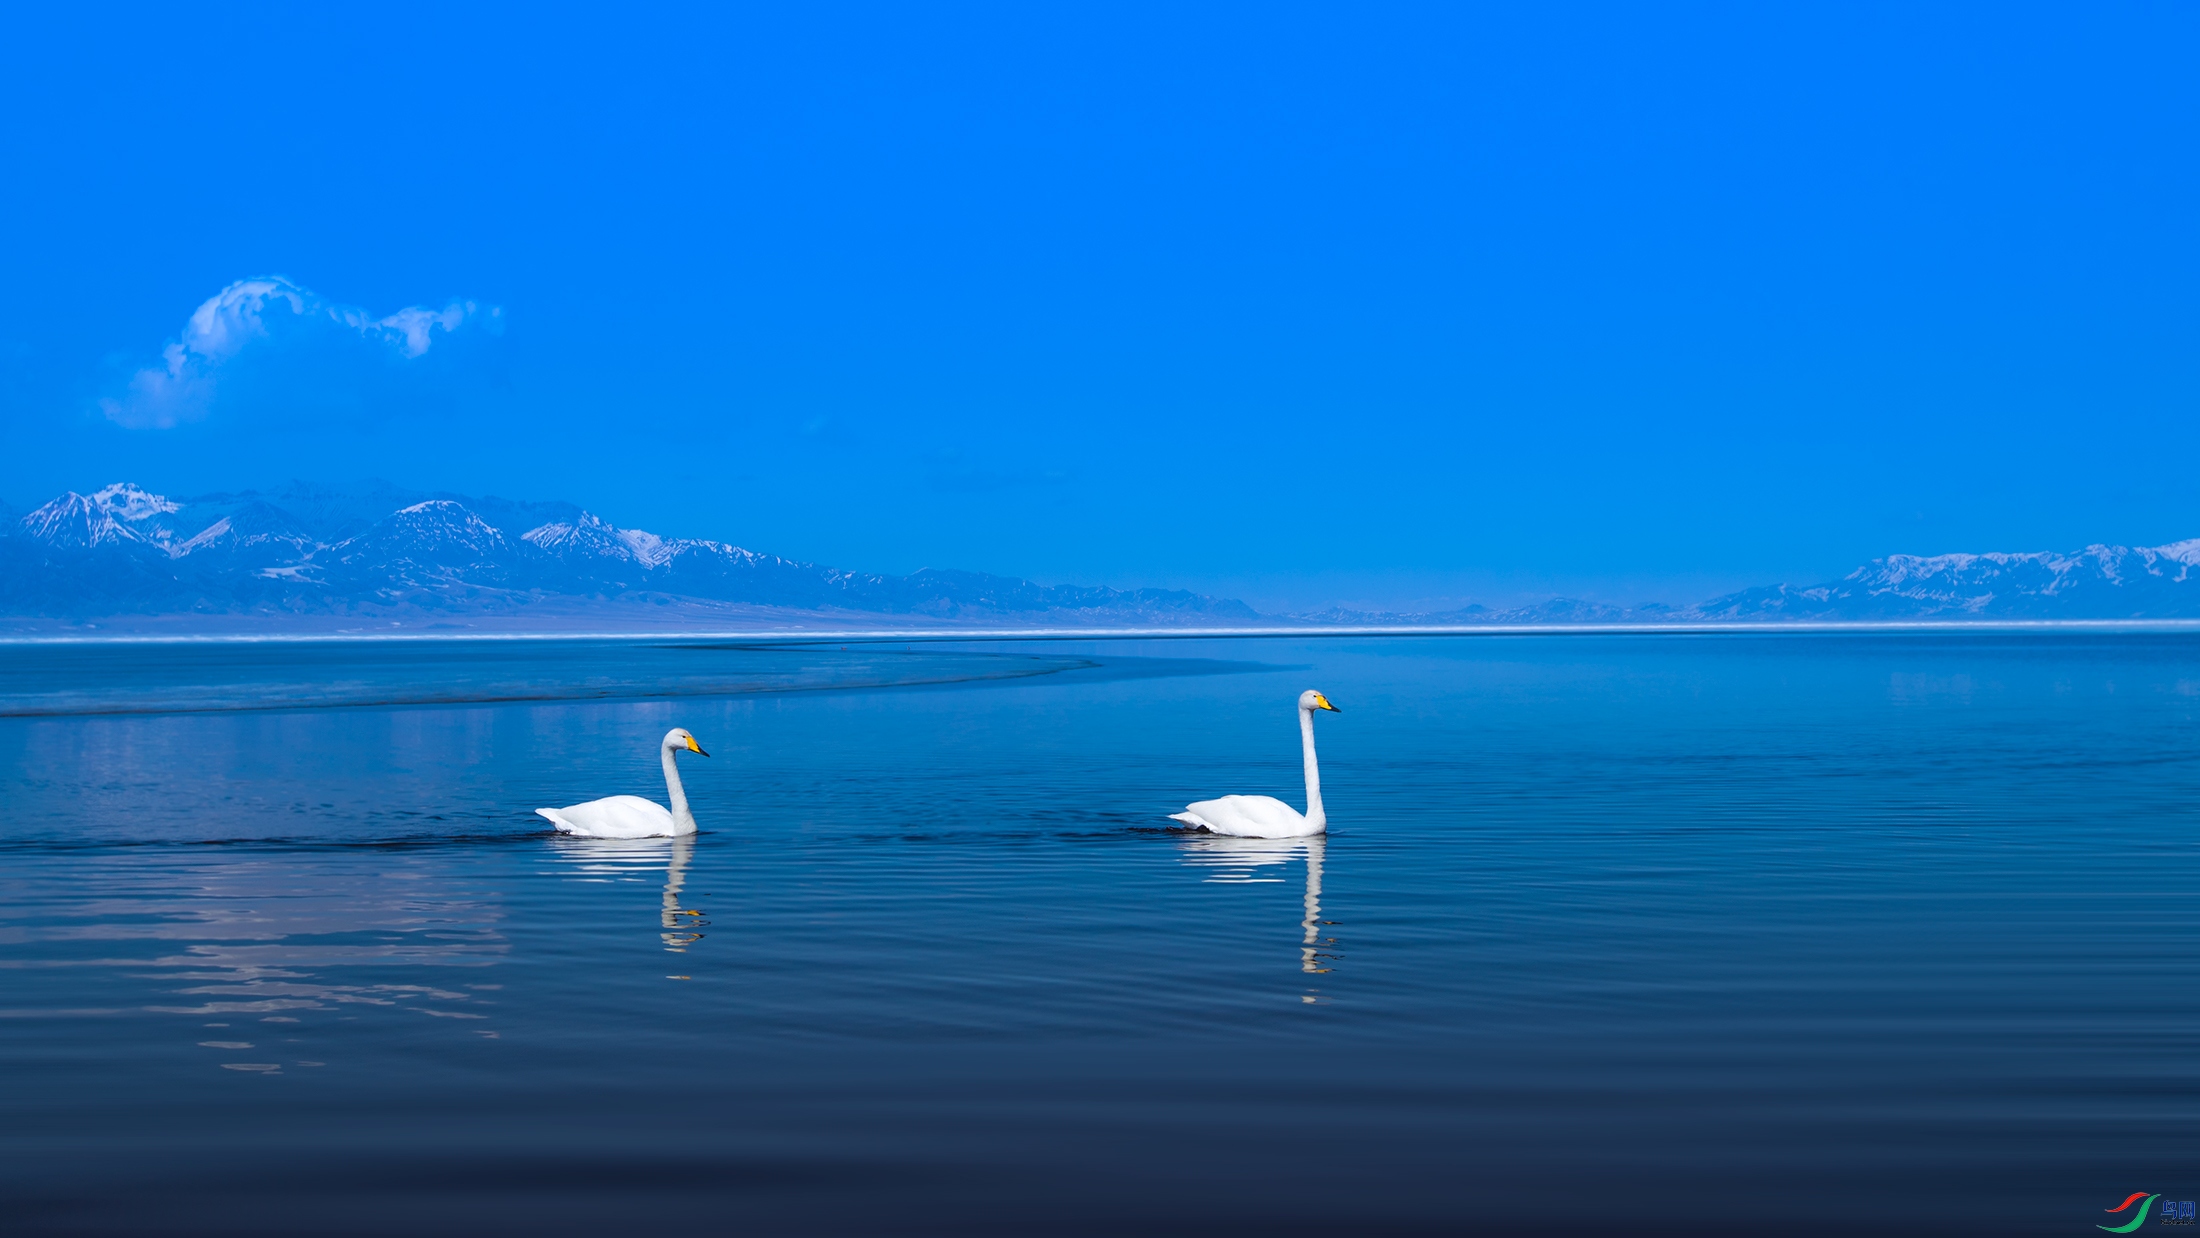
[[1265, 816], [1252, 816], [631, 816]]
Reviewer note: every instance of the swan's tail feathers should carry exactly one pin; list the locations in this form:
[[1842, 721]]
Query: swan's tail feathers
[[1192, 819], [551, 815]]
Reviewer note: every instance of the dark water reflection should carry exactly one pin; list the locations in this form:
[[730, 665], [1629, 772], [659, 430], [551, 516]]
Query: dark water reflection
[[1792, 934]]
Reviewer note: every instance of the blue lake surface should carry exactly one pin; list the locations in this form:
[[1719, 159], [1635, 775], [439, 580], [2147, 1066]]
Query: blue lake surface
[[1799, 933]]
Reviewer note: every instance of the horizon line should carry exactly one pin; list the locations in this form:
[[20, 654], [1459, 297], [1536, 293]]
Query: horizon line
[[890, 635]]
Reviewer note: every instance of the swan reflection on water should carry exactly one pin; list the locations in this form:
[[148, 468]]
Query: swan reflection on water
[[638, 859], [1242, 861]]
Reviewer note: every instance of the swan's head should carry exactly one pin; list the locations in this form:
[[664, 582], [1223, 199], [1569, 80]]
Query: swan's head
[[677, 738], [1311, 700]]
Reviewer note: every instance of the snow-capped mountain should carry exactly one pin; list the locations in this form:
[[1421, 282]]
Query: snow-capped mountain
[[256, 530], [587, 537], [377, 550], [118, 515], [307, 549], [2099, 582], [437, 543]]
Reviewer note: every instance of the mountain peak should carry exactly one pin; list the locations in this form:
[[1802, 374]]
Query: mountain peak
[[126, 501], [437, 524], [258, 526], [588, 536], [76, 521]]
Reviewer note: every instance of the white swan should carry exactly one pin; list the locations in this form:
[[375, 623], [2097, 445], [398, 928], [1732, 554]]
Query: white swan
[[631, 816], [1265, 816]]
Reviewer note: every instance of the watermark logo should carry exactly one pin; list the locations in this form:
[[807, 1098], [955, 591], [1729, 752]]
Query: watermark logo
[[2172, 1212], [2145, 1202]]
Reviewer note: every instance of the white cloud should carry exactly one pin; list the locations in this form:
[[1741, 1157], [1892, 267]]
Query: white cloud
[[234, 320]]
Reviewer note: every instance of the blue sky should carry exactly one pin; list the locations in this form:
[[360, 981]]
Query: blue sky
[[1303, 304]]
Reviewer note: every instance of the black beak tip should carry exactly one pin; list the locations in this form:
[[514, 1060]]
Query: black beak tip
[[699, 752]]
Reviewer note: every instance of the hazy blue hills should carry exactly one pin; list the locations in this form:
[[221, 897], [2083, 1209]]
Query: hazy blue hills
[[2099, 582], [380, 553], [375, 554]]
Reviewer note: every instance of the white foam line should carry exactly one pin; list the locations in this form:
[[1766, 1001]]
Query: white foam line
[[808, 635]]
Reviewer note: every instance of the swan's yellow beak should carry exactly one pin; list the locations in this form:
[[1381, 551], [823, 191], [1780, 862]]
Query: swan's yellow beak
[[696, 748], [1323, 701]]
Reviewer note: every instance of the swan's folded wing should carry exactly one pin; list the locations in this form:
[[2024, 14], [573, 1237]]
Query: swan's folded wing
[[1251, 816], [617, 816]]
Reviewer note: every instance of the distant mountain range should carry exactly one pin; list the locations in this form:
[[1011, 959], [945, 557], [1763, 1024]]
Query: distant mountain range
[[2099, 582], [338, 557], [377, 553]]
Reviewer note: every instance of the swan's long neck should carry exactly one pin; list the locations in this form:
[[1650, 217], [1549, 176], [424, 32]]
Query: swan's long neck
[[683, 821], [1313, 771]]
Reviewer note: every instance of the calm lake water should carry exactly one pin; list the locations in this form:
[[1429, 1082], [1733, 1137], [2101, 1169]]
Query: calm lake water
[[1789, 933]]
